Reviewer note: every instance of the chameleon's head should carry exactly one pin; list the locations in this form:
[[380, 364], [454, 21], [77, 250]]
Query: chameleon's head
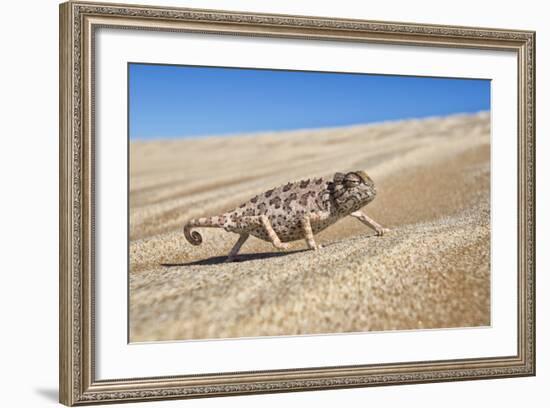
[[352, 190]]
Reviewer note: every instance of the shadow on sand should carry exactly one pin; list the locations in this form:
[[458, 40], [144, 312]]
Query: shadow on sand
[[216, 260]]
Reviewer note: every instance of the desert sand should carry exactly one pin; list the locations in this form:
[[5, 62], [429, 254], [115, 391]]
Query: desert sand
[[431, 271]]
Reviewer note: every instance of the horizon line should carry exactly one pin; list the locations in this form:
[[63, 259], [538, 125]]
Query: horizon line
[[290, 130]]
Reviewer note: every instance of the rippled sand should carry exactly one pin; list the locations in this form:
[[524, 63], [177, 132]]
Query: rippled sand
[[431, 271]]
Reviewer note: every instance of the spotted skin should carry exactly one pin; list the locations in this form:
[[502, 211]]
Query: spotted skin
[[296, 210]]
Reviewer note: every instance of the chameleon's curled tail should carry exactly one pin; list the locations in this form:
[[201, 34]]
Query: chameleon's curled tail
[[194, 237]]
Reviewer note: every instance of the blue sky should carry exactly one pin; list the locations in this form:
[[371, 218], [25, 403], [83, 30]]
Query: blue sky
[[168, 101]]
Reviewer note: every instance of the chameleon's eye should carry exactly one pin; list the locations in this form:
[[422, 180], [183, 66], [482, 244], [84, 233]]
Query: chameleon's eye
[[351, 180], [350, 183]]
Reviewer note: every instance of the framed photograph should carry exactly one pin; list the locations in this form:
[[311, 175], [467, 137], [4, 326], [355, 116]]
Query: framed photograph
[[256, 203]]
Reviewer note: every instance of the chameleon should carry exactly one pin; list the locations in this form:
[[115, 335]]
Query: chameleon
[[294, 211]]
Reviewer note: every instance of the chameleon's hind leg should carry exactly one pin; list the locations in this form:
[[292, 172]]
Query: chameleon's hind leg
[[365, 219], [251, 222], [235, 250], [273, 237], [308, 232]]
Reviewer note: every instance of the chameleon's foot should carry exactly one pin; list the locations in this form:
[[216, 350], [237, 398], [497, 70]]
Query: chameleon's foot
[[382, 231], [282, 246], [315, 247], [230, 259]]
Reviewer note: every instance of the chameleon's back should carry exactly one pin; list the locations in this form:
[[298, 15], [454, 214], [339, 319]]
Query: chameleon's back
[[285, 206]]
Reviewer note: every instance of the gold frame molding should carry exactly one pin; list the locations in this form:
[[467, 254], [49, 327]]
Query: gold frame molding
[[78, 22]]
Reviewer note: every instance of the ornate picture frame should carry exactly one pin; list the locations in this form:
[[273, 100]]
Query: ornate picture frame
[[78, 24]]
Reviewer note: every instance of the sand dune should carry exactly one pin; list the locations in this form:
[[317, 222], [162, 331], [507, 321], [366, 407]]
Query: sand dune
[[431, 271]]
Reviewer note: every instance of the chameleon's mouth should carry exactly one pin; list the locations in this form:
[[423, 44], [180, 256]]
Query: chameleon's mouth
[[364, 176]]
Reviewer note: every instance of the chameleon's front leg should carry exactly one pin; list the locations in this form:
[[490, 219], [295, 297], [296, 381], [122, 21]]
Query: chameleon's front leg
[[308, 232], [361, 216], [235, 250]]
